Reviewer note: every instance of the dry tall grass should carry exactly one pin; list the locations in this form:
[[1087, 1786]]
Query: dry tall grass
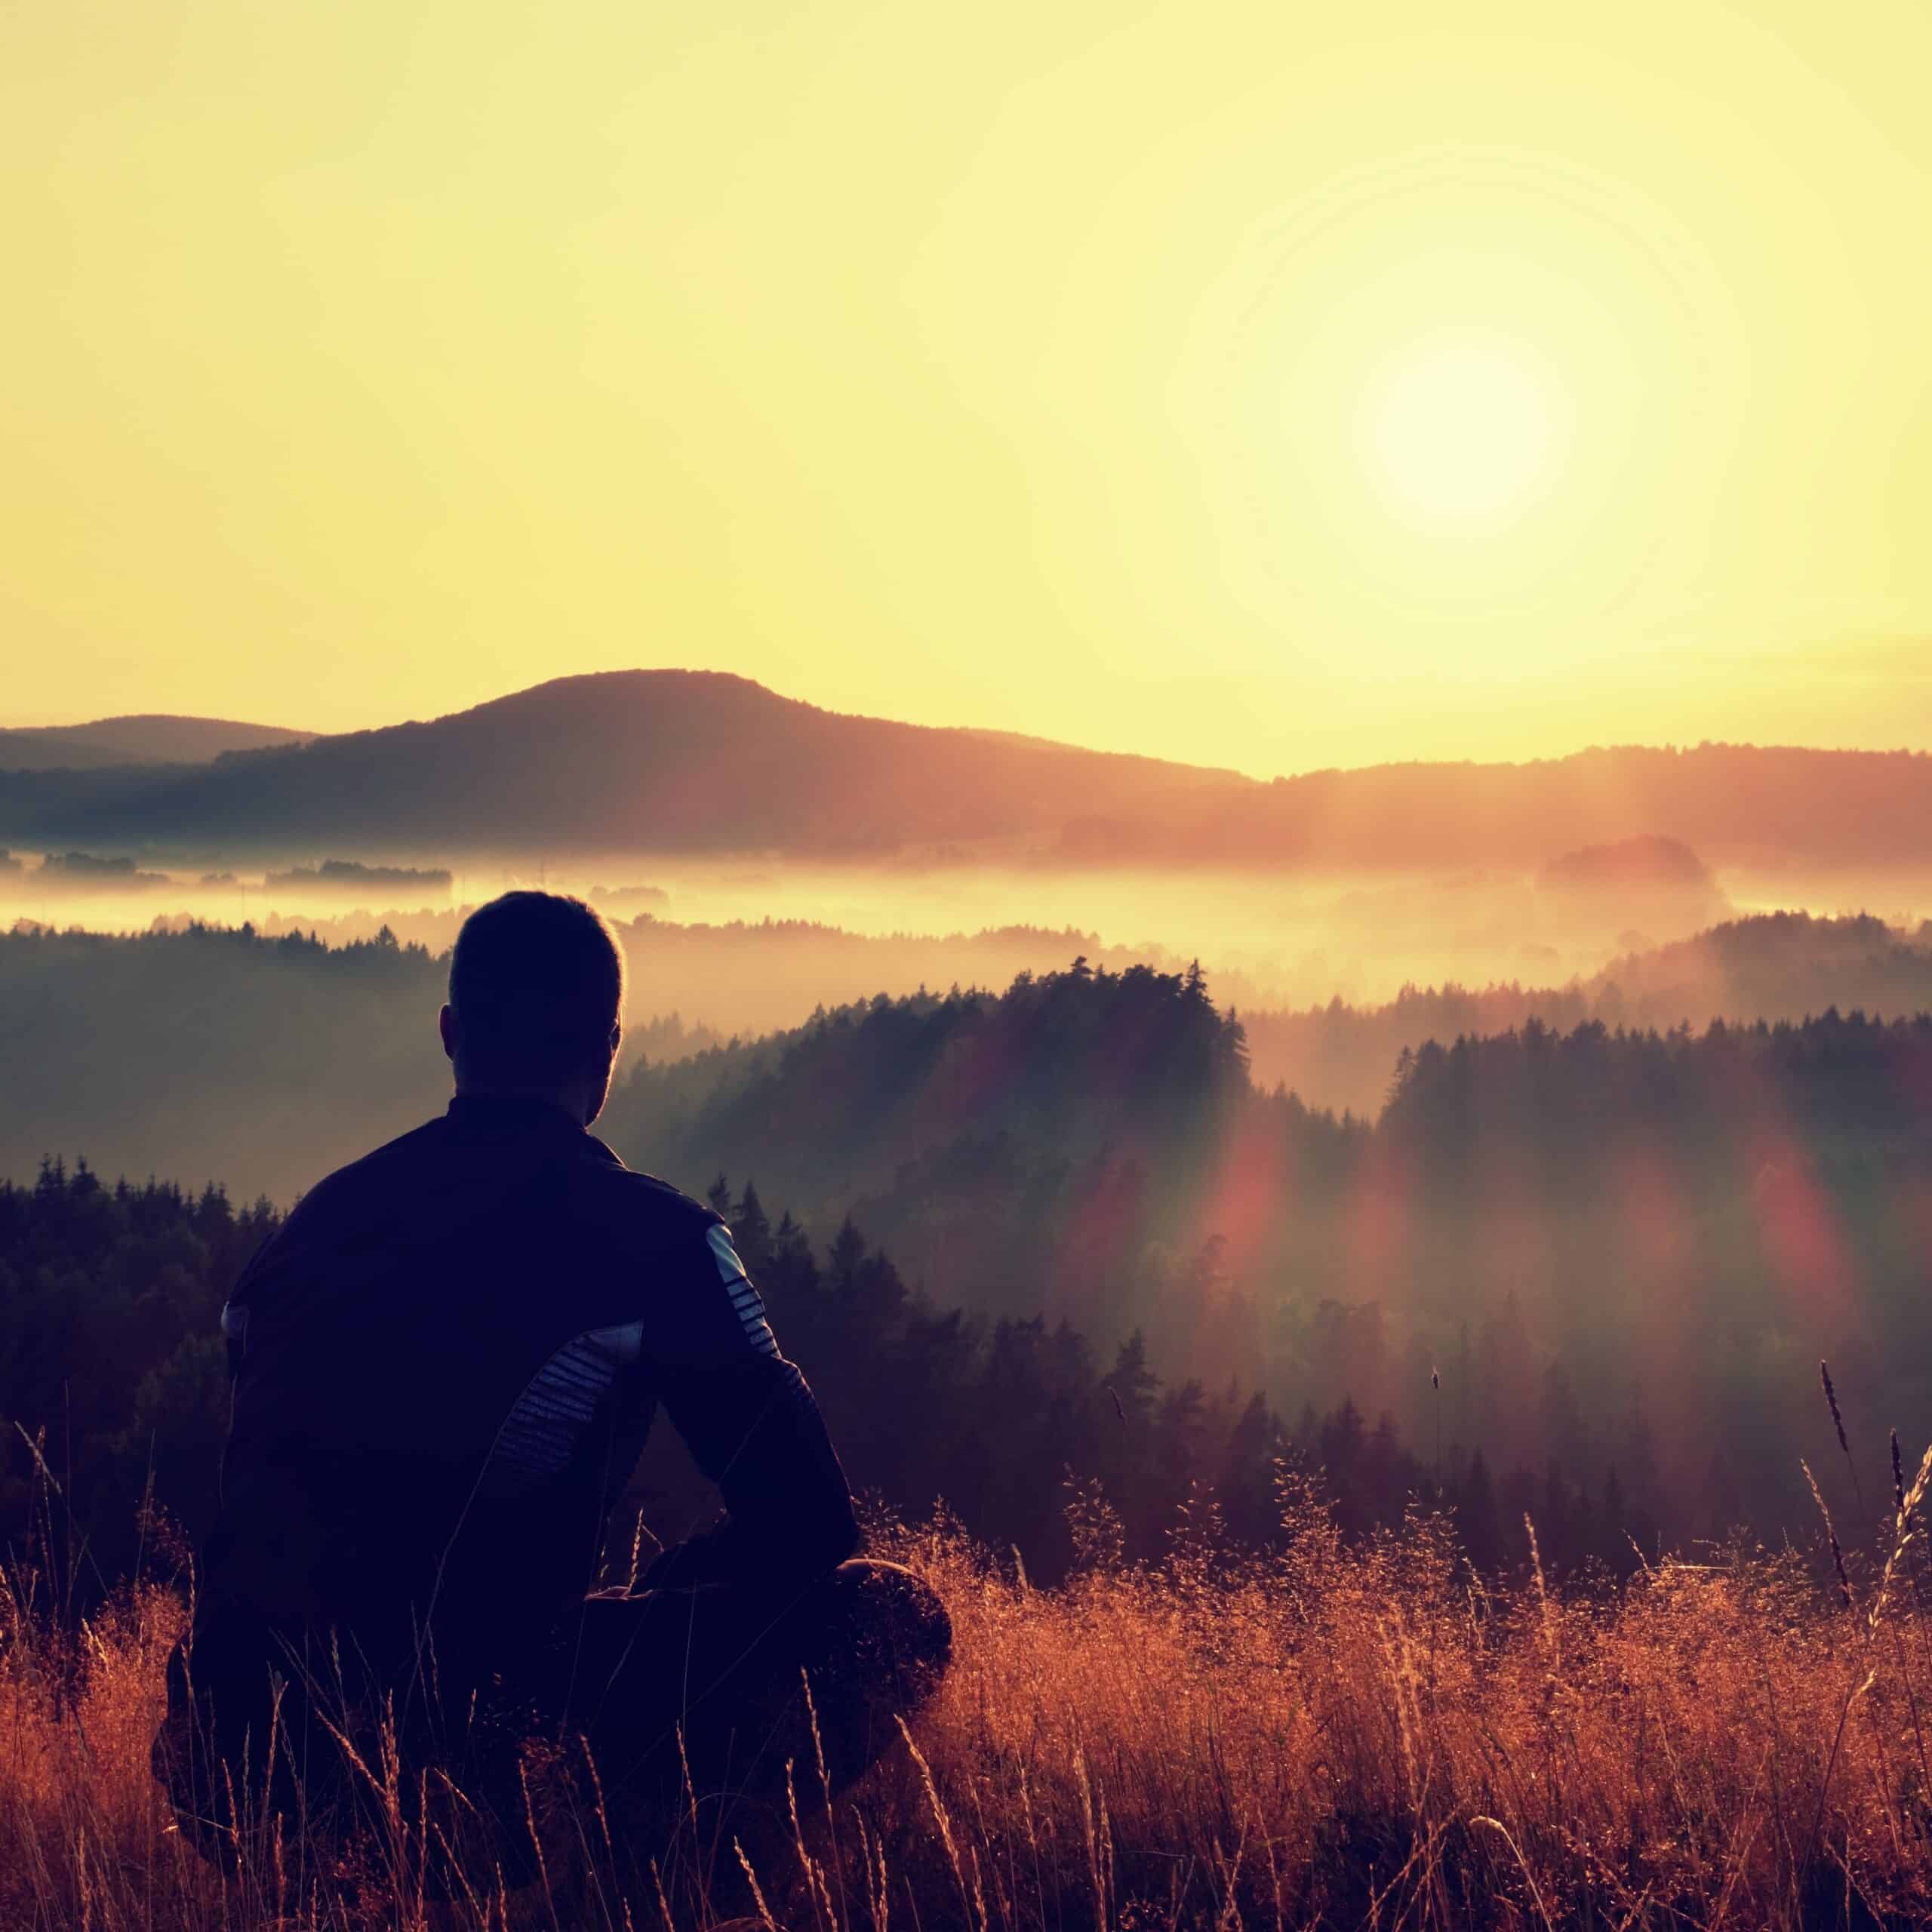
[[1339, 1736]]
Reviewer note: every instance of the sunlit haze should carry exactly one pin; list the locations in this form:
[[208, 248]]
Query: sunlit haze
[[1152, 778], [1460, 432], [1269, 387]]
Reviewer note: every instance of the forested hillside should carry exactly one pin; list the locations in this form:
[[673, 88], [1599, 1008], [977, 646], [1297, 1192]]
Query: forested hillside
[[1600, 1247], [264, 1060], [114, 1394], [1611, 1248], [1034, 1142], [1771, 966]]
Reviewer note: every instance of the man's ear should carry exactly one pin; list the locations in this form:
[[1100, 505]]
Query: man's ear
[[446, 1026]]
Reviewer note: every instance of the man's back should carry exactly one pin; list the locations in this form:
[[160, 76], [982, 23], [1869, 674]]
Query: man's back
[[446, 1365]]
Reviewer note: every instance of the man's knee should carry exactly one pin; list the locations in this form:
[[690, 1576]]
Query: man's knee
[[894, 1625], [878, 1647]]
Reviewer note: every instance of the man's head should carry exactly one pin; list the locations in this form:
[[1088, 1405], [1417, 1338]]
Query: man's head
[[536, 996]]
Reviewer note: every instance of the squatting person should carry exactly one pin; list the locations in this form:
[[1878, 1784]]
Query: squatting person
[[444, 1366]]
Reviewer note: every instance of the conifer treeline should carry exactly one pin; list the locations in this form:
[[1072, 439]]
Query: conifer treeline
[[1613, 1250], [111, 1368], [1610, 1246]]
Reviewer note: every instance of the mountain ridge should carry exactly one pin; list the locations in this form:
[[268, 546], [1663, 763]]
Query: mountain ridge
[[666, 748], [152, 737], [708, 762]]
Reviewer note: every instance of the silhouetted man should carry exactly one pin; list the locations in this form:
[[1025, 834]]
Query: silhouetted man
[[445, 1365]]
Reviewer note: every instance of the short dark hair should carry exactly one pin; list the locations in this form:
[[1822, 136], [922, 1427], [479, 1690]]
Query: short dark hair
[[536, 983]]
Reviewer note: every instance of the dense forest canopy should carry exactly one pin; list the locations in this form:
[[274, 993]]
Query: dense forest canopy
[[1594, 1234], [114, 1382], [1584, 1248], [265, 1059]]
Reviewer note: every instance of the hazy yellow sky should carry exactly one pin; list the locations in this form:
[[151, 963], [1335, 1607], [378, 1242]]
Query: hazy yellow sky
[[1271, 384]]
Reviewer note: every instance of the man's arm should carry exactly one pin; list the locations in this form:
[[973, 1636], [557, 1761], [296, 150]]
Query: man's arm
[[753, 1428]]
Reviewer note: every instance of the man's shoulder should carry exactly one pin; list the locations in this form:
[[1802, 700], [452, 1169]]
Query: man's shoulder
[[697, 1304], [638, 1209], [375, 1174]]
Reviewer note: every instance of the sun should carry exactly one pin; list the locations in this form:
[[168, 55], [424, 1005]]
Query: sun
[[1461, 431]]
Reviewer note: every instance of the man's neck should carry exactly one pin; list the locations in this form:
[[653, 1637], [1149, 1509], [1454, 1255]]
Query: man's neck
[[566, 1101]]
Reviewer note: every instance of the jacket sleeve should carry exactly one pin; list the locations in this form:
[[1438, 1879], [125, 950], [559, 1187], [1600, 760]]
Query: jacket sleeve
[[752, 1427]]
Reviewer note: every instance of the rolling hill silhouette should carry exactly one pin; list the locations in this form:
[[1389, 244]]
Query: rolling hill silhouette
[[670, 761], [687, 761], [135, 740]]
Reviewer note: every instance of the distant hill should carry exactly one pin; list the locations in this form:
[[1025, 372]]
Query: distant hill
[[352, 876], [668, 760], [83, 872], [1730, 803], [1646, 880], [1781, 967], [139, 740], [750, 1105], [1774, 966], [687, 761], [277, 1057], [1643, 864]]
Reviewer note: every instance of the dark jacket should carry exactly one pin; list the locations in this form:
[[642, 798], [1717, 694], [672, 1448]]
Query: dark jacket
[[445, 1366]]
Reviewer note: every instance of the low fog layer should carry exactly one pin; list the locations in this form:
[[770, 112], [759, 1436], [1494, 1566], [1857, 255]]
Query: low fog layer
[[740, 946], [1281, 939]]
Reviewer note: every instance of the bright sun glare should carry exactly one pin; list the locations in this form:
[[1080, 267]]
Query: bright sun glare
[[1459, 431]]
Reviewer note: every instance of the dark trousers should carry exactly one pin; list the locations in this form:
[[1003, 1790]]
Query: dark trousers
[[725, 1665], [689, 1703]]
